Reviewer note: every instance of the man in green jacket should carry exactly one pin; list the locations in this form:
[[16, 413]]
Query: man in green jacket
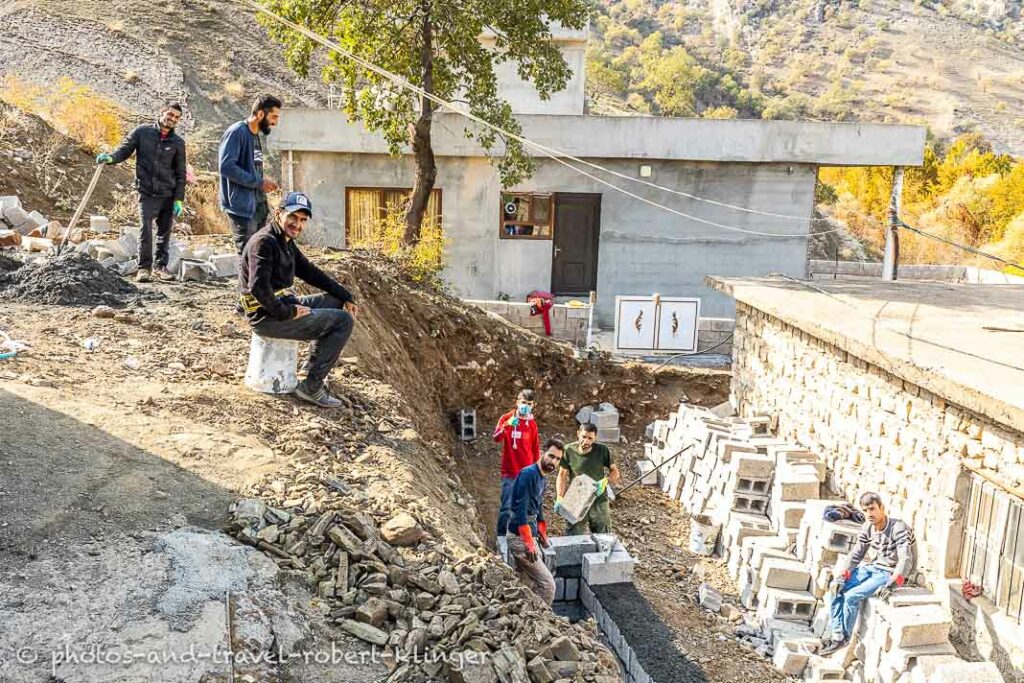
[[585, 456]]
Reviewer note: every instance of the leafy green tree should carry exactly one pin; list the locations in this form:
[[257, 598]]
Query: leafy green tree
[[449, 48]]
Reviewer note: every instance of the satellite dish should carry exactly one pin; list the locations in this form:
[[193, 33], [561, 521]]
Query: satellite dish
[[511, 209]]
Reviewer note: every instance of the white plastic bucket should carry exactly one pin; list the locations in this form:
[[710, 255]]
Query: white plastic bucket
[[272, 364], [703, 535]]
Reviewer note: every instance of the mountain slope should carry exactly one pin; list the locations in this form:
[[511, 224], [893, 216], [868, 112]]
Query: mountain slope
[[955, 66], [210, 54]]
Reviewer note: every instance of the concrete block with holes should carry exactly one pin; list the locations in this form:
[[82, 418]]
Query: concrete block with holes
[[840, 536], [820, 669], [787, 574], [787, 605], [748, 465]]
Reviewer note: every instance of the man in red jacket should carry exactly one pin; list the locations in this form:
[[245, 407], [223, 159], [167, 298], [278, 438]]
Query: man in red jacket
[[520, 447]]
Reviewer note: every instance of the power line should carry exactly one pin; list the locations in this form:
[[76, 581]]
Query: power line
[[555, 154], [965, 247]]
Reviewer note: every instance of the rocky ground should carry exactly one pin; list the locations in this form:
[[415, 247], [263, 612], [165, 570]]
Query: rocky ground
[[128, 434]]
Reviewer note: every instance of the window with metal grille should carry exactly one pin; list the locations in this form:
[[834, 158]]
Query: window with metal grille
[[993, 548], [366, 207]]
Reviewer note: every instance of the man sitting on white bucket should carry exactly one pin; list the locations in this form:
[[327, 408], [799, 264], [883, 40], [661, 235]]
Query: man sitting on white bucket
[[269, 265]]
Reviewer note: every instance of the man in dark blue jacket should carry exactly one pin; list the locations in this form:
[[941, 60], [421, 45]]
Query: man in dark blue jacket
[[243, 187], [528, 520], [160, 181], [270, 263]]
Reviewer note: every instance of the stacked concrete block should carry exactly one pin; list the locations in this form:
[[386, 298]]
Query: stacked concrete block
[[606, 419], [603, 566], [648, 477]]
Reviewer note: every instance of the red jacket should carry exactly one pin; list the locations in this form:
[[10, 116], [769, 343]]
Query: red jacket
[[520, 446]]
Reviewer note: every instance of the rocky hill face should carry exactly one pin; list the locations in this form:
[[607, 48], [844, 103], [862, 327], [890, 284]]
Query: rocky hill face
[[210, 54], [955, 66]]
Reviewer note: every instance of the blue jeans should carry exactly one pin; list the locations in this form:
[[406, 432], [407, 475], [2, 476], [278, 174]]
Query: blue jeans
[[505, 509], [864, 582]]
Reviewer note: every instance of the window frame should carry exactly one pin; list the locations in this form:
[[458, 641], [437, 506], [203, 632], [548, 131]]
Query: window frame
[[531, 195], [383, 190], [991, 512]]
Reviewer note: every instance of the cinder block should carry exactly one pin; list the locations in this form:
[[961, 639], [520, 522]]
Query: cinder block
[[572, 589], [750, 503], [15, 216], [225, 264], [840, 536], [796, 487], [753, 465], [792, 660], [776, 603], [578, 499], [599, 569], [604, 418], [503, 551], [569, 550], [821, 669], [946, 669], [758, 487], [609, 435], [924, 625], [728, 449], [787, 514], [791, 575], [99, 223], [648, 477], [709, 598], [559, 590]]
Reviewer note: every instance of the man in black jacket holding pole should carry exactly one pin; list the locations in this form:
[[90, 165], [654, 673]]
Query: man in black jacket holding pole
[[160, 181], [271, 261]]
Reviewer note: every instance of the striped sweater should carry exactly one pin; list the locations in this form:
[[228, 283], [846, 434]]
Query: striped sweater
[[893, 547]]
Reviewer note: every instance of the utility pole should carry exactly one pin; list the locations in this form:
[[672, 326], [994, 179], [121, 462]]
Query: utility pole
[[891, 259]]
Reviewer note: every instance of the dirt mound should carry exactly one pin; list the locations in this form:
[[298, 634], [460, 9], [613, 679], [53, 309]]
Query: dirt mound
[[73, 279]]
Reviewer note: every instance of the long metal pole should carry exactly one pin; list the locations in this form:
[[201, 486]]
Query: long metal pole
[[890, 262]]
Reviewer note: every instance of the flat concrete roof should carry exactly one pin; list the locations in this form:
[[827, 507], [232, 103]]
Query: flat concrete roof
[[955, 350], [636, 137]]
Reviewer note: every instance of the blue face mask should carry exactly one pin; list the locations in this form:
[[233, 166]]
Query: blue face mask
[[525, 410]]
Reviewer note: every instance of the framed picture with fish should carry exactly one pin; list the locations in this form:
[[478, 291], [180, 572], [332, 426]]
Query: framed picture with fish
[[656, 324]]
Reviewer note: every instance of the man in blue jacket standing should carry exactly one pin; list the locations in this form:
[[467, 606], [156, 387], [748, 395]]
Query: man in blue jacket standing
[[159, 180], [243, 187]]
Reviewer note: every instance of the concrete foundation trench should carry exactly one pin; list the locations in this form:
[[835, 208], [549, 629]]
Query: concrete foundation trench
[[593, 578]]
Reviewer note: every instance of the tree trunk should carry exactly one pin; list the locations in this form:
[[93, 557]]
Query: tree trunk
[[422, 149]]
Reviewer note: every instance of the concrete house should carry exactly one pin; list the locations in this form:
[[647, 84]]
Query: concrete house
[[571, 234]]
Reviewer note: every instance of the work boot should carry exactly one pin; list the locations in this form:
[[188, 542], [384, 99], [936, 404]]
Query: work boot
[[165, 274], [143, 275], [832, 646], [319, 396]]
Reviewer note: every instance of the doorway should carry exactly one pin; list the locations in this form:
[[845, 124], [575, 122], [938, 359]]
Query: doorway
[[577, 232]]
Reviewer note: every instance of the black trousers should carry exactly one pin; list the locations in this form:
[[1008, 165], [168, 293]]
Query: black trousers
[[156, 213], [328, 327], [244, 228]]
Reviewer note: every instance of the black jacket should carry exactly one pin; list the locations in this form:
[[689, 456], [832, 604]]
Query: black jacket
[[270, 264], [159, 163]]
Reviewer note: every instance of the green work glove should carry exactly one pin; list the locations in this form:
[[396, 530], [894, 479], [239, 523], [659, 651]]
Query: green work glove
[[602, 486], [513, 422], [104, 159], [558, 505], [178, 207]]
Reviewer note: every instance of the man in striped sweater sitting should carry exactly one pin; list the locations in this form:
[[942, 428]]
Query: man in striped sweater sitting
[[892, 543]]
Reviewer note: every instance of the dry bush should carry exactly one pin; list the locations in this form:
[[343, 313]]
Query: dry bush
[[235, 89], [78, 111], [424, 261], [202, 206]]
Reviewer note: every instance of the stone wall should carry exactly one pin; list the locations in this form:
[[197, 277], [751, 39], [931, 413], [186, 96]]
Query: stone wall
[[568, 323], [877, 432]]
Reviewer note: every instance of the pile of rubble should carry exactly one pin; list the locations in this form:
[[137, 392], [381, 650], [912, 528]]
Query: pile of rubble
[[33, 232], [386, 580], [71, 279], [763, 498]]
